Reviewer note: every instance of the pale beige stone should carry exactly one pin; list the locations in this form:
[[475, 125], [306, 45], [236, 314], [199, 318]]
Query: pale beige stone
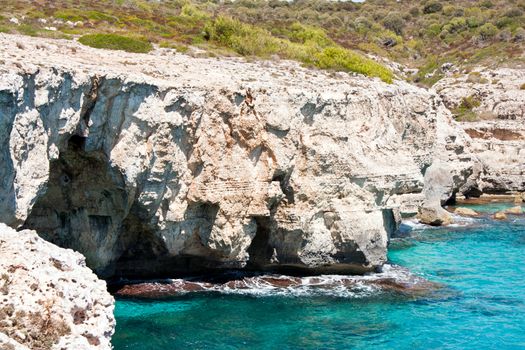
[[498, 138], [164, 163], [500, 216], [465, 212], [436, 216], [514, 210], [49, 296]]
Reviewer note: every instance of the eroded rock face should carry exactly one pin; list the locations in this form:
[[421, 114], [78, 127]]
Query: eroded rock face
[[160, 163], [498, 137], [49, 299]]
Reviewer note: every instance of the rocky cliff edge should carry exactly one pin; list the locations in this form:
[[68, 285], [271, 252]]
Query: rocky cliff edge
[[158, 164]]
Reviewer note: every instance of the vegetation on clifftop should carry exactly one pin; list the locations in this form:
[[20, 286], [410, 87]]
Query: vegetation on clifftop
[[116, 42], [326, 34]]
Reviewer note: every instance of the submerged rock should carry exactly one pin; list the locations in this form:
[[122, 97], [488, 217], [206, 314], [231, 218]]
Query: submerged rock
[[517, 210], [500, 216], [465, 211], [393, 279], [49, 299], [434, 216]]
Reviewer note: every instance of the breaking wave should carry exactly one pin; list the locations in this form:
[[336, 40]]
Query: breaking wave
[[392, 279]]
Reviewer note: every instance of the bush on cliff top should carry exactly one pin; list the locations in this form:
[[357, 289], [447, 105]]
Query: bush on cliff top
[[305, 44], [116, 42], [463, 32]]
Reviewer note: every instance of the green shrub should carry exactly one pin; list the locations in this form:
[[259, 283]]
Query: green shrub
[[519, 35], [432, 7], [306, 34], [514, 12], [116, 42], [505, 22], [414, 11], [456, 25], [242, 38], [487, 4], [27, 29], [340, 58], [487, 31], [307, 44], [100, 16], [193, 12], [394, 22], [464, 111], [69, 15], [362, 25], [474, 22], [433, 30], [452, 11]]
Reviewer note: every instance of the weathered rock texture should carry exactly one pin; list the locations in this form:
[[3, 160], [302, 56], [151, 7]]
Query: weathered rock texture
[[498, 138], [161, 163], [49, 299]]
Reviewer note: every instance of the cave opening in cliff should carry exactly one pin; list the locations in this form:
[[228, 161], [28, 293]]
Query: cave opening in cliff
[[83, 204], [260, 250], [76, 143], [147, 253]]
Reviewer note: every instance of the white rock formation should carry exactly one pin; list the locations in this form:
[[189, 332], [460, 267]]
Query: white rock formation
[[162, 163], [498, 138], [49, 299]]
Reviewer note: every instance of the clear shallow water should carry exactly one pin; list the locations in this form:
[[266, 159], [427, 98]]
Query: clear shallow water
[[481, 307]]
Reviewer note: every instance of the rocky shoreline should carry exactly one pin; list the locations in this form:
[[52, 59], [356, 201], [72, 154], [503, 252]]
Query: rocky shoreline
[[159, 165], [393, 279]]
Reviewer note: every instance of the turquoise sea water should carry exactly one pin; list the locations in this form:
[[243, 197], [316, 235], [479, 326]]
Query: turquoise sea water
[[481, 306]]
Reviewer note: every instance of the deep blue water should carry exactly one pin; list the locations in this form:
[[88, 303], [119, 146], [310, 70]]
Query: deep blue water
[[481, 306]]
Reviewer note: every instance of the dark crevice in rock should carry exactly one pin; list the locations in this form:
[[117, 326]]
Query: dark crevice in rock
[[390, 223], [260, 250], [452, 199], [473, 192], [284, 182], [87, 108], [76, 143], [7, 190]]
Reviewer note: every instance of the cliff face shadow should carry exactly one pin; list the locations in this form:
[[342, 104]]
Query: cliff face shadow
[[84, 204]]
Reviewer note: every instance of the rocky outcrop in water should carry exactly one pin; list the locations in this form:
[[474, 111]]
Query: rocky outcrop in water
[[158, 164], [393, 279], [49, 299], [497, 98]]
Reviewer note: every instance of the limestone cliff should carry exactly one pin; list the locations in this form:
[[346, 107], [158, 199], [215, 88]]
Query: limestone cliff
[[158, 164], [498, 134], [49, 298]]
